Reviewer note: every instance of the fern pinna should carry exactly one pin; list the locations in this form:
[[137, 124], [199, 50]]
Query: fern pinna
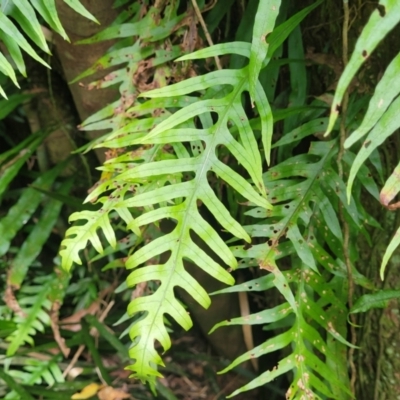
[[172, 147], [303, 233]]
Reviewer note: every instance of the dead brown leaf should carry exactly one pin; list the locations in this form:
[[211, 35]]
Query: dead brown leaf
[[11, 301], [72, 323], [109, 393]]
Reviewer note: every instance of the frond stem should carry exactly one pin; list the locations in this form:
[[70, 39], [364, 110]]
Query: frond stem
[[345, 225]]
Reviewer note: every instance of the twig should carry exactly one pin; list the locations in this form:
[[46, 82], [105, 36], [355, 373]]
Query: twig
[[247, 331], [346, 233], [204, 26], [82, 346], [74, 360]]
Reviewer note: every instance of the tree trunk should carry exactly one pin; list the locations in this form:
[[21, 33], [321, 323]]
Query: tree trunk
[[75, 59], [378, 359]]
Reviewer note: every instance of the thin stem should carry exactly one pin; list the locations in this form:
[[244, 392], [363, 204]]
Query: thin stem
[[345, 225], [204, 26]]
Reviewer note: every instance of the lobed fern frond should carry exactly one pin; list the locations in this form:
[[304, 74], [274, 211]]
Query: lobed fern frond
[[173, 144], [303, 225], [34, 302]]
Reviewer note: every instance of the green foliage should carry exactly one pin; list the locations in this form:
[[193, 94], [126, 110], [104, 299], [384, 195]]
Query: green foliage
[[381, 119], [24, 12], [379, 299], [185, 143]]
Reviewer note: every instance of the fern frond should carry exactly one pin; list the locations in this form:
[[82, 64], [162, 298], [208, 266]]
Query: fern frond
[[305, 192], [380, 120], [78, 236], [34, 302], [188, 135], [184, 212], [380, 23], [303, 333]]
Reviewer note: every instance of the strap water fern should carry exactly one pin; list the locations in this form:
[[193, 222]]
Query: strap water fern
[[176, 141], [303, 233], [170, 185]]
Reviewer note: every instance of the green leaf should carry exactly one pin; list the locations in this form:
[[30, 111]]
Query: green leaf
[[25, 15], [78, 236], [36, 239], [77, 6], [10, 169], [10, 29], [312, 127], [386, 90], [284, 365], [34, 320], [94, 352], [389, 122], [16, 55], [380, 23], [264, 23], [19, 214], [47, 9], [379, 299], [9, 105], [220, 49], [282, 31], [7, 69], [262, 317], [107, 335], [14, 385], [394, 243]]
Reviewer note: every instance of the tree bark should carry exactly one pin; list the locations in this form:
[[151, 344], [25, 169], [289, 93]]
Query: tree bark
[[77, 58]]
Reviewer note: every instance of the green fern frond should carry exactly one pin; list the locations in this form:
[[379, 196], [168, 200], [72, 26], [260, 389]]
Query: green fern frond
[[35, 372], [304, 334], [34, 302], [78, 236], [197, 131], [184, 212], [303, 223]]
